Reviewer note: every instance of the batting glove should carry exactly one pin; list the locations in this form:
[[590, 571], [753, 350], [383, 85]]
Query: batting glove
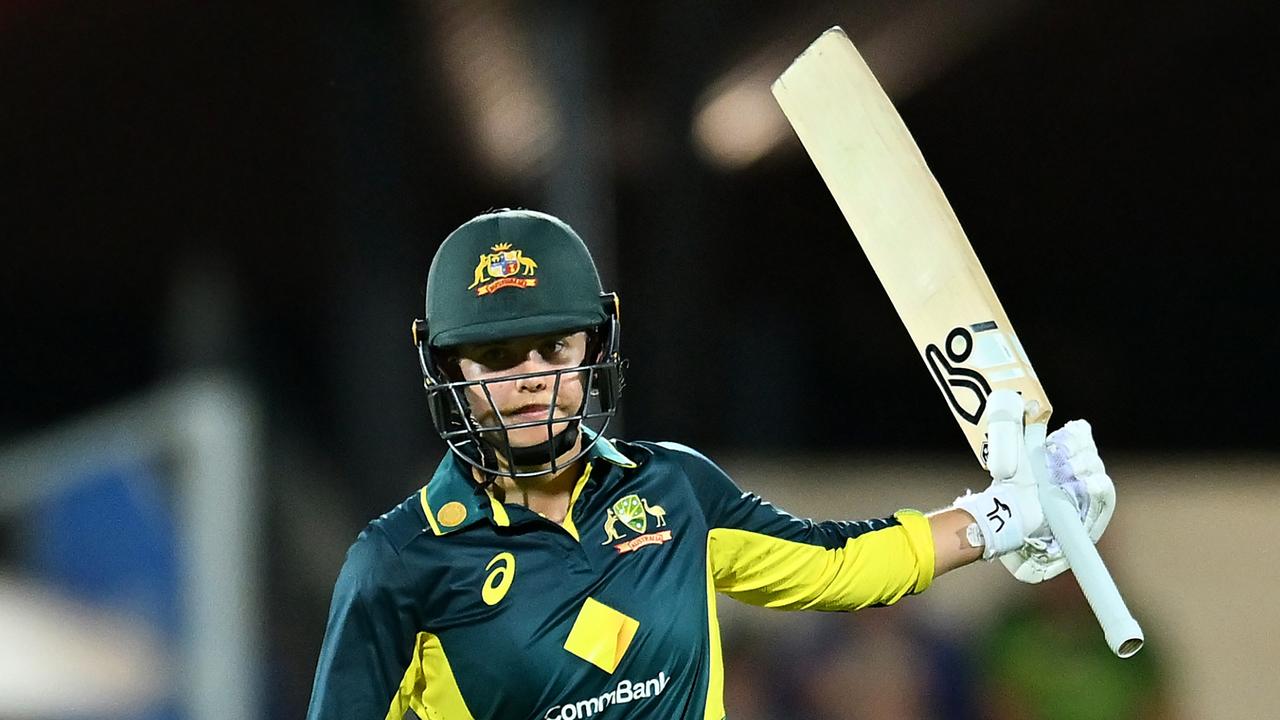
[[1075, 467], [1008, 520]]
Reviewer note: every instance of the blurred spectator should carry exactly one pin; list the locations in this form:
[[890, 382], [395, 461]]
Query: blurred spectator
[[1045, 659], [752, 681], [882, 663]]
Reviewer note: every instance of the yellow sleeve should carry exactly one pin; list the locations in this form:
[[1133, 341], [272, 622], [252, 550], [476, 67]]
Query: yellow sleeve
[[871, 568]]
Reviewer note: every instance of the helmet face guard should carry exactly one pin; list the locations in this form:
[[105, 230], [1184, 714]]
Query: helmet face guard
[[488, 448]]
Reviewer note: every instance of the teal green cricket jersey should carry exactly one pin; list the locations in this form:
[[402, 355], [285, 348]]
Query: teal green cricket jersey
[[455, 606]]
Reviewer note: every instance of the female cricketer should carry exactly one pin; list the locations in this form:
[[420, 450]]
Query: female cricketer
[[547, 572]]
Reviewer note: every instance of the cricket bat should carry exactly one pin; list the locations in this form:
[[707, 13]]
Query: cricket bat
[[871, 164]]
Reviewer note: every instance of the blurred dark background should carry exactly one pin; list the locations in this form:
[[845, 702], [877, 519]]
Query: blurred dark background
[[260, 187]]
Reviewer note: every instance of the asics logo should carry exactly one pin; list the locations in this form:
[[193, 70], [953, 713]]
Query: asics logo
[[499, 580]]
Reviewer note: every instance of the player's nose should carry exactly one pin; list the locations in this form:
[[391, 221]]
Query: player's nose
[[532, 363], [537, 383]]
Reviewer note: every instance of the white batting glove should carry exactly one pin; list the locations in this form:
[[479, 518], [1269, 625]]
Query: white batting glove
[[1008, 520], [1074, 466], [1007, 513]]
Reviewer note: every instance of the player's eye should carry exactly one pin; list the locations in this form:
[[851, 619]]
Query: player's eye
[[554, 349], [496, 357]]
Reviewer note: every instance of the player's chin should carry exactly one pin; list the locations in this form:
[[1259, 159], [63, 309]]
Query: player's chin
[[534, 435]]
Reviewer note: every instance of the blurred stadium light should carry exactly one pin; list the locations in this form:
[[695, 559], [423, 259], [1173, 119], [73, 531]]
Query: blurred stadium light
[[488, 65], [120, 511], [737, 121]]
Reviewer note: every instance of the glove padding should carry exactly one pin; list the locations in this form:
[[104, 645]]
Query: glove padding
[[1074, 467], [1008, 517]]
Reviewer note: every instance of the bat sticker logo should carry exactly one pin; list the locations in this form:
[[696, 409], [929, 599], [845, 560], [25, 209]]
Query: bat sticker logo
[[959, 346]]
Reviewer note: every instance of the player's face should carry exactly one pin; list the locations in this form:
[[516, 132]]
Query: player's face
[[528, 399]]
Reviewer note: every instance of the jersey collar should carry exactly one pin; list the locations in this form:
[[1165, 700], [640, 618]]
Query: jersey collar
[[452, 501], [605, 449]]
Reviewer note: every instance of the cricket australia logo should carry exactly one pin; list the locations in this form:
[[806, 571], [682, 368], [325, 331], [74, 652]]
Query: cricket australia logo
[[498, 269], [633, 512]]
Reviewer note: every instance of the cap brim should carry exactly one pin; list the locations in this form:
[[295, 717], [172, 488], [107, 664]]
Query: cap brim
[[495, 330]]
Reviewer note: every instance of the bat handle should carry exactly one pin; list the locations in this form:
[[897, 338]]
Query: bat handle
[[1122, 632]]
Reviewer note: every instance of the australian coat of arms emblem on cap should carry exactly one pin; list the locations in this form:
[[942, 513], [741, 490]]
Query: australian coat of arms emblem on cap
[[504, 267]]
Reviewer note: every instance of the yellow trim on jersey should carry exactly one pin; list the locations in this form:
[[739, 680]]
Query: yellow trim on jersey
[[426, 509], [568, 513], [875, 568], [499, 512], [429, 688], [714, 709]]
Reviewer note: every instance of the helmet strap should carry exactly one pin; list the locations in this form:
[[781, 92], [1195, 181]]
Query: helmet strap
[[544, 453]]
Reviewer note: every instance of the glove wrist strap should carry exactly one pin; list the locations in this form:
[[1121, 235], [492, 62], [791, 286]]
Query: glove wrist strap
[[998, 528]]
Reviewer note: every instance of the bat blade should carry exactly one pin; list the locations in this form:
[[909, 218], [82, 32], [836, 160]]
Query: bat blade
[[908, 230], [926, 264]]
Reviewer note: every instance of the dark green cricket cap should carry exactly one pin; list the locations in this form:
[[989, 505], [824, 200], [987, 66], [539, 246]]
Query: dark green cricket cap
[[508, 274]]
